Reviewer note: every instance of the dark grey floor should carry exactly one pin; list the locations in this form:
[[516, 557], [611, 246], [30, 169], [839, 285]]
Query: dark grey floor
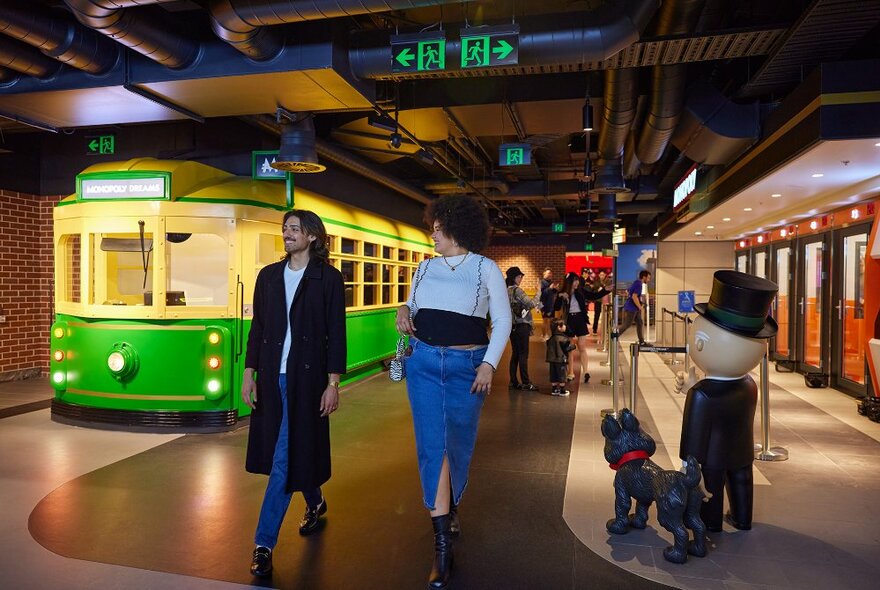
[[187, 506]]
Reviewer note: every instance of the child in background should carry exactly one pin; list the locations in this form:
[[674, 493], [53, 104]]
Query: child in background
[[558, 347]]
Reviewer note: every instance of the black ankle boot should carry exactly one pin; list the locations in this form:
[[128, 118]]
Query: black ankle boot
[[442, 567], [454, 523]]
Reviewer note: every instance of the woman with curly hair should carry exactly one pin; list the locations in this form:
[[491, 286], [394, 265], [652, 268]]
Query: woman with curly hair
[[452, 360]]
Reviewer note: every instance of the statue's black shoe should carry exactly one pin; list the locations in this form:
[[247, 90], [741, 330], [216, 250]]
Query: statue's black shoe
[[262, 562], [311, 518]]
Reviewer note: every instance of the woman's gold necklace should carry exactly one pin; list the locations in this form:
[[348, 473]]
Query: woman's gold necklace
[[452, 267]]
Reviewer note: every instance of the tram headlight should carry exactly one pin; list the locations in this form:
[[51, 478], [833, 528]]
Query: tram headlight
[[214, 337], [122, 361], [59, 355], [58, 332], [58, 378]]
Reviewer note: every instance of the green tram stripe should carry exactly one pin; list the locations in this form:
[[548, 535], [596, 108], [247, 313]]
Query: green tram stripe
[[101, 326], [377, 233]]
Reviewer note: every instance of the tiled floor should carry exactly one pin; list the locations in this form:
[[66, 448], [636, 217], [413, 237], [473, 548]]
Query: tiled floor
[[816, 521]]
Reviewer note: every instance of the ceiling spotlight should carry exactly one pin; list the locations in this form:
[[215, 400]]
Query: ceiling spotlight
[[877, 144], [776, 195], [818, 175], [742, 243], [747, 208], [656, 234], [382, 121], [698, 233], [814, 224], [726, 219], [587, 116], [710, 227], [760, 239], [395, 140]]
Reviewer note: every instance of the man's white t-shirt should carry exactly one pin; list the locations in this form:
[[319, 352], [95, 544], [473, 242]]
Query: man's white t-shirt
[[292, 279]]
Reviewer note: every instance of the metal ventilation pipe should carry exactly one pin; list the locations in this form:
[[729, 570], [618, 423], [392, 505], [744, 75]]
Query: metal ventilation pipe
[[618, 113], [241, 22], [67, 42], [143, 30], [584, 37], [607, 208], [667, 86], [26, 60], [7, 76]]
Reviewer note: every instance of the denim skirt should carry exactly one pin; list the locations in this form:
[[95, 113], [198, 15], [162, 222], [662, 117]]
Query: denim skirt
[[445, 412]]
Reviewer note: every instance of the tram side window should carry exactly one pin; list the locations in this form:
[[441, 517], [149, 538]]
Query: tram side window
[[121, 268], [348, 275], [370, 286], [270, 248], [72, 263], [404, 275], [198, 267]]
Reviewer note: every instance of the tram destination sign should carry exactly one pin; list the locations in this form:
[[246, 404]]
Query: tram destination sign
[[418, 52], [483, 47], [123, 188]]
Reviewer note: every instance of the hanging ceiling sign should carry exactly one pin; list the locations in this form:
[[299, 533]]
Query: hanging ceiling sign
[[483, 47], [515, 154], [418, 52], [261, 166], [99, 145]]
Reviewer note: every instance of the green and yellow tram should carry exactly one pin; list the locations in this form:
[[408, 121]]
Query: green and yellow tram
[[155, 263]]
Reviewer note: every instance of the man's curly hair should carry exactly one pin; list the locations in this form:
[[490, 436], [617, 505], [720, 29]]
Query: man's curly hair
[[461, 218]]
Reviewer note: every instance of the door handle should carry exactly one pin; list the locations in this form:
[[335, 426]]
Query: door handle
[[801, 305], [839, 308]]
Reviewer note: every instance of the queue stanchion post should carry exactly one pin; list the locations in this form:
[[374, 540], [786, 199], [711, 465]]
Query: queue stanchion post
[[614, 377], [607, 339], [687, 356], [663, 326], [633, 375], [766, 452]]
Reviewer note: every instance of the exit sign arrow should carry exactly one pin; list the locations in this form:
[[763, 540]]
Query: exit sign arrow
[[93, 145], [405, 57], [502, 49]]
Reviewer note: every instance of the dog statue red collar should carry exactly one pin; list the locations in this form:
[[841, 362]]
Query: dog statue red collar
[[627, 457]]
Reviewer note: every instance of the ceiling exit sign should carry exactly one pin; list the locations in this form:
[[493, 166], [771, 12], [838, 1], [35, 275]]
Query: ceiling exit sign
[[483, 47], [515, 154], [418, 52], [261, 166], [99, 145], [558, 227], [588, 247]]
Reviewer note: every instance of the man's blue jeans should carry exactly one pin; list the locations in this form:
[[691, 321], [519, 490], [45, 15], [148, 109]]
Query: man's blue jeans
[[276, 500]]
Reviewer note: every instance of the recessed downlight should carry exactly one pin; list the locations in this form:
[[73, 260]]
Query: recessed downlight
[[726, 219], [747, 209], [710, 227], [698, 233], [776, 195], [817, 175]]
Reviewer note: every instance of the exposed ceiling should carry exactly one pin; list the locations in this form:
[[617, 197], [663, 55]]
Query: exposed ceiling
[[654, 74]]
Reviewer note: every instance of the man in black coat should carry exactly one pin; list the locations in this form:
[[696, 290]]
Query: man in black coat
[[297, 348]]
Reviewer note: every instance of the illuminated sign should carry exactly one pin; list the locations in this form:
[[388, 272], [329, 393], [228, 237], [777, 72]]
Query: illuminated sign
[[483, 47], [123, 188], [418, 52], [98, 145], [261, 166], [619, 236], [515, 154], [685, 187], [559, 227]]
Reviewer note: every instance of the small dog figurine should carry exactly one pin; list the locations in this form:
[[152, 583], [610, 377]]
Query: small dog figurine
[[678, 495]]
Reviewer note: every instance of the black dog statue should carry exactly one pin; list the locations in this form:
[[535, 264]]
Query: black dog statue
[[678, 495]]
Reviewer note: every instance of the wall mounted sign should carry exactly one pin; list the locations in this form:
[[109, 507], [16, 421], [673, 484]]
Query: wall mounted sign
[[558, 227], [418, 52], [686, 301], [685, 187], [99, 145], [514, 154], [483, 47]]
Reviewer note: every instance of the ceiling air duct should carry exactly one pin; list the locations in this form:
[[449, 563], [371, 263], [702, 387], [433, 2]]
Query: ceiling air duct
[[297, 152], [609, 177], [607, 208]]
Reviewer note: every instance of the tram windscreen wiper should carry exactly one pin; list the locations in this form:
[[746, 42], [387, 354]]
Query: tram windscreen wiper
[[145, 254]]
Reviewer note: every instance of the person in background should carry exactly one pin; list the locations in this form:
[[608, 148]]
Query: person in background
[[547, 299], [632, 308], [297, 348], [572, 302], [450, 368], [601, 282], [521, 306], [558, 347]]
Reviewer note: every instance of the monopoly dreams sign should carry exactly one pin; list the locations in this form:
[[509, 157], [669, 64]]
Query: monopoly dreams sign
[[685, 188], [130, 188]]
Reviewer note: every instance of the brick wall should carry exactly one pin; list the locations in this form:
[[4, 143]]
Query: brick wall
[[531, 260], [26, 283]]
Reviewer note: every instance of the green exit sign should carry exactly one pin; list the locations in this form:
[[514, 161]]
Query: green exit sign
[[419, 52], [588, 247], [483, 47], [559, 227], [514, 154], [99, 145]]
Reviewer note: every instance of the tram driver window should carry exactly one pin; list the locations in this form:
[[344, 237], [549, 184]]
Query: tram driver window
[[121, 268]]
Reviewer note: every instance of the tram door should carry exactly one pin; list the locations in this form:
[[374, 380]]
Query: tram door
[[759, 262], [781, 268], [848, 309], [813, 294]]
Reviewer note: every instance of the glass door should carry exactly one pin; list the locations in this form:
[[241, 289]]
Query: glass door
[[742, 262], [812, 305], [760, 258], [781, 273], [848, 311]]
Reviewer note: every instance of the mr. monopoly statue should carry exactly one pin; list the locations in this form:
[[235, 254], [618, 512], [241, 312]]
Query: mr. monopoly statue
[[727, 340]]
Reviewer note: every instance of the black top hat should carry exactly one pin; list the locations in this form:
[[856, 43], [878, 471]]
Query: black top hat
[[512, 273], [740, 303]]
